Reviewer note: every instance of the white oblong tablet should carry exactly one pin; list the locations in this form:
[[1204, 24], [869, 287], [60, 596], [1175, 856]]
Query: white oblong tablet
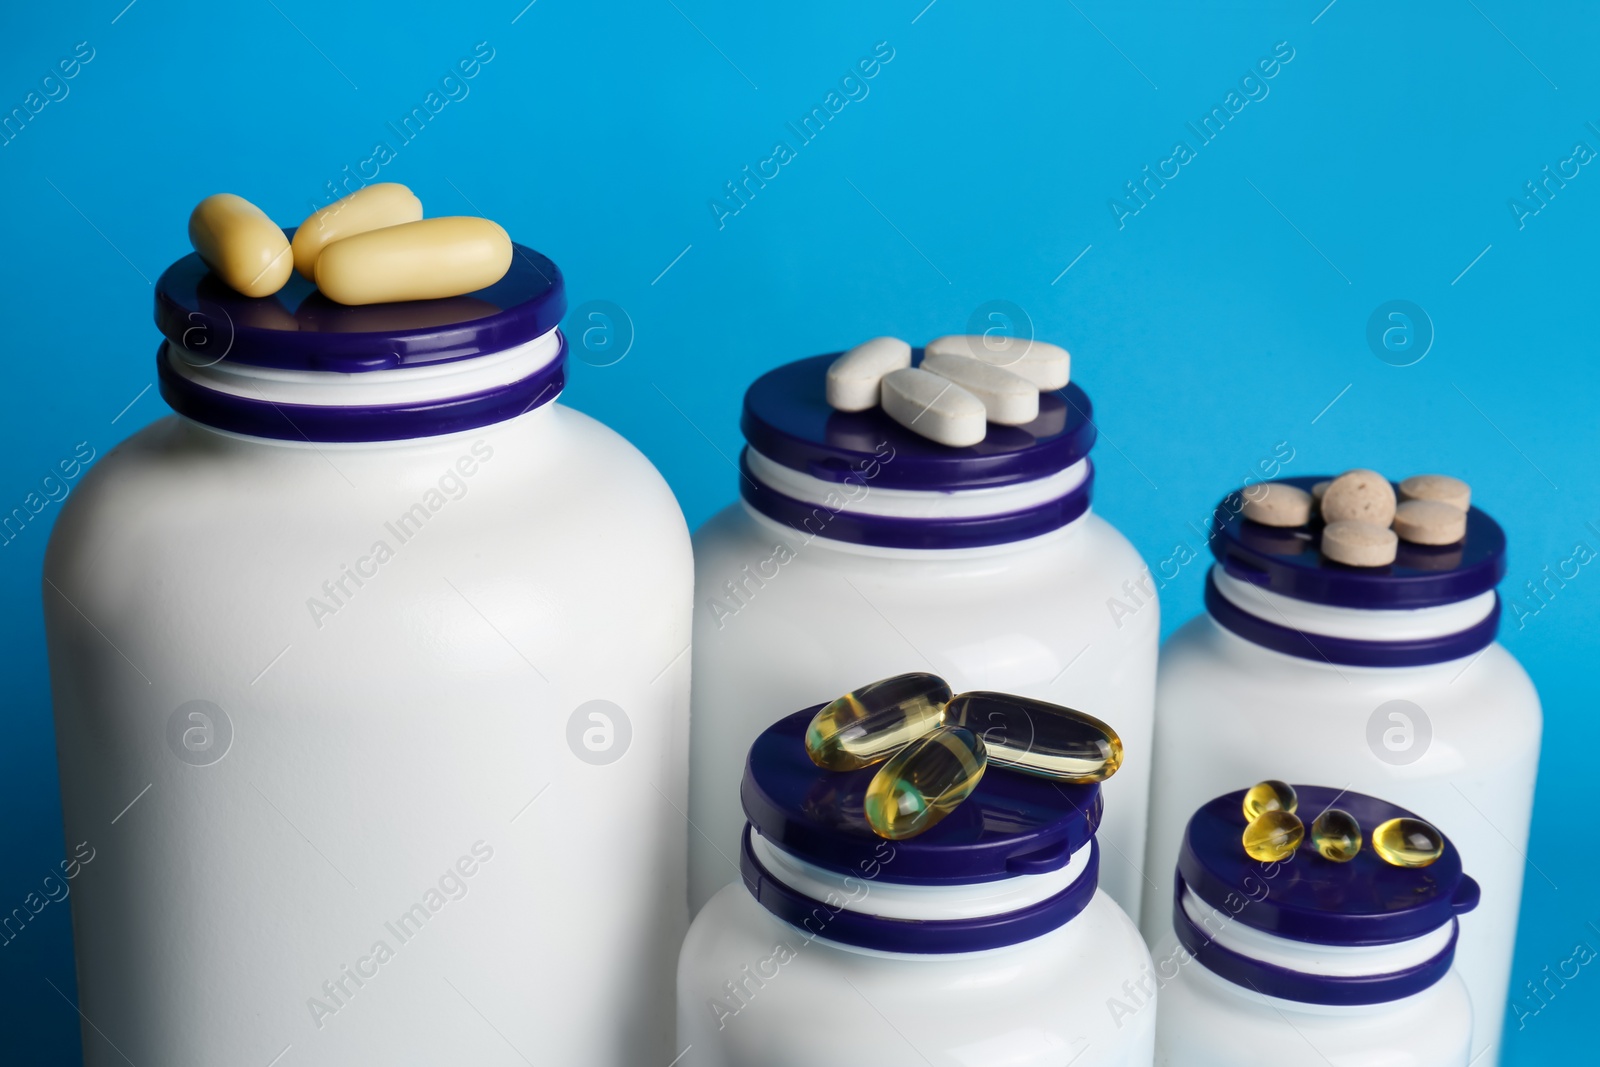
[[1008, 398], [934, 407], [1359, 544], [854, 378], [1046, 365]]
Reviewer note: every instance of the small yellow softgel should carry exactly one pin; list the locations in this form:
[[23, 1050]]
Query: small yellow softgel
[[1270, 795], [1406, 842], [869, 724], [1336, 835], [371, 247], [1273, 835], [924, 782]]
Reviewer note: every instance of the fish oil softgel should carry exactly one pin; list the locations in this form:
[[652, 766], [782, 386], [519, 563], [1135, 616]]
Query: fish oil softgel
[[868, 724], [1408, 843], [1336, 835], [1272, 836], [1038, 737], [1270, 795], [924, 782]]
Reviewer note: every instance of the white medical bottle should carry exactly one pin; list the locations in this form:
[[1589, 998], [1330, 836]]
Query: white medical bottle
[[859, 549], [1308, 962], [983, 940], [370, 696], [1384, 680]]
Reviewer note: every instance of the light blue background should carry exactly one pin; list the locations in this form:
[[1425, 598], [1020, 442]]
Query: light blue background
[[1224, 317]]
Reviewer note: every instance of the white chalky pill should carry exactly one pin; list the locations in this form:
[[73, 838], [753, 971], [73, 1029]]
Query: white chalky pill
[[1429, 522], [1359, 496], [934, 407], [1440, 487], [854, 378], [1277, 504], [1008, 398], [1359, 544], [1046, 365]]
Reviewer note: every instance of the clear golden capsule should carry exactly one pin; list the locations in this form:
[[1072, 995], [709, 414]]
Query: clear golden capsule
[[1336, 834], [869, 724], [923, 782], [1407, 842], [1039, 738], [1270, 795], [1273, 835]]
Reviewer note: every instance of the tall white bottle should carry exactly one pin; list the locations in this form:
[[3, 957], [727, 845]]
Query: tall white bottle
[[371, 697]]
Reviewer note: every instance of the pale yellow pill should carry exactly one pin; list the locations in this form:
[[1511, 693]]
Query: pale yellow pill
[[1359, 496], [415, 261], [1277, 504], [244, 247], [1359, 544], [370, 208], [1429, 522], [1440, 487]]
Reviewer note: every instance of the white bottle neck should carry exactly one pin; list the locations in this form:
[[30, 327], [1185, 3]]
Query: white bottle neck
[[1361, 624]]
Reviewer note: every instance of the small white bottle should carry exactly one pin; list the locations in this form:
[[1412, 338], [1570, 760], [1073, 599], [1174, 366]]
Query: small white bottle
[[862, 550], [370, 695], [1307, 962], [983, 940], [1387, 680]]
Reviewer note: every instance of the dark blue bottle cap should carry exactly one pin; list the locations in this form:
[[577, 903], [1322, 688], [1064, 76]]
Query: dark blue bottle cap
[[1308, 898], [788, 420], [300, 329], [1012, 824], [1290, 561]]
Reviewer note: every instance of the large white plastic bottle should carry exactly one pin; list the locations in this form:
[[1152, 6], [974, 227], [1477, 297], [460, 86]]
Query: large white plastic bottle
[[371, 696], [860, 550], [1384, 680]]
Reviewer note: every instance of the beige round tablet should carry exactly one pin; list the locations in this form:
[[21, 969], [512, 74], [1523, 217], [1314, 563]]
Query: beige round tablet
[[1429, 522], [1359, 496], [1276, 504], [1359, 544], [1318, 489], [1440, 487]]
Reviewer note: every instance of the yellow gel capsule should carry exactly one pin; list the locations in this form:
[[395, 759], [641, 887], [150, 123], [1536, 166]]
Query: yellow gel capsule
[[1407, 842], [371, 207], [869, 724], [1273, 835], [1039, 738], [1336, 834], [924, 782], [1270, 795], [422, 260], [240, 244]]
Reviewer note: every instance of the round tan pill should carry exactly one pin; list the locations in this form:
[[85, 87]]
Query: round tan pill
[[1318, 489], [1440, 487], [240, 244], [422, 260], [1359, 544], [1277, 504], [1429, 522], [370, 208], [1359, 496]]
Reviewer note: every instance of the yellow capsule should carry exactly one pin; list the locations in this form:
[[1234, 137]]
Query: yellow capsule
[[1270, 795], [422, 260], [869, 724], [240, 244], [923, 782], [371, 207], [1047, 740], [1273, 835], [1407, 842], [1336, 835]]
